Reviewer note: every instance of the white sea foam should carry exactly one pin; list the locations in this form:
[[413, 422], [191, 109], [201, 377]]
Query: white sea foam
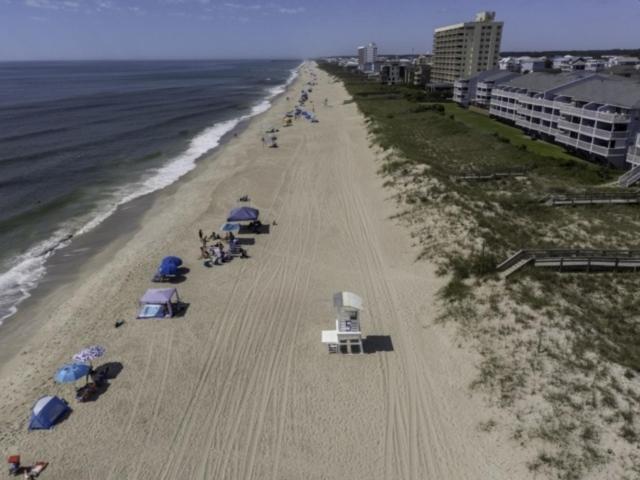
[[26, 270]]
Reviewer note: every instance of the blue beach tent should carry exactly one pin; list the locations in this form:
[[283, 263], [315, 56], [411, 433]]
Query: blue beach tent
[[243, 214], [46, 412]]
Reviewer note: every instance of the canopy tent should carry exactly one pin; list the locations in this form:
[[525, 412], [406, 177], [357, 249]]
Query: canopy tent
[[46, 412], [158, 303], [243, 214], [347, 301], [230, 227]]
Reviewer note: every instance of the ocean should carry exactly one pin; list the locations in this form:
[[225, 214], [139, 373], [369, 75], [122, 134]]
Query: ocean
[[79, 139]]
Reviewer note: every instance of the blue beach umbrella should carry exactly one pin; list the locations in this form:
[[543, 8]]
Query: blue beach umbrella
[[72, 372], [230, 227]]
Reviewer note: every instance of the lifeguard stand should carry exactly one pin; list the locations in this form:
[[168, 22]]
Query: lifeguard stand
[[347, 337]]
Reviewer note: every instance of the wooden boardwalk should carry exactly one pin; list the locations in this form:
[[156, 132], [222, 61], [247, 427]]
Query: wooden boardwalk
[[599, 198], [572, 260], [486, 176]]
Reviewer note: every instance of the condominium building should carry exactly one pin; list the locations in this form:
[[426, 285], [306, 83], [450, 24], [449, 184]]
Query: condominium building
[[619, 61], [595, 65], [421, 71], [396, 72], [522, 64], [477, 88], [596, 116], [367, 57], [464, 49]]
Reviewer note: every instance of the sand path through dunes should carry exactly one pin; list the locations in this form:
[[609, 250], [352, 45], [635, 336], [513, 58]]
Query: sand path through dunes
[[242, 388]]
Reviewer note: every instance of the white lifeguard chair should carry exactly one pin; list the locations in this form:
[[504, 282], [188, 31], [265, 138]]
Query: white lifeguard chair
[[347, 337]]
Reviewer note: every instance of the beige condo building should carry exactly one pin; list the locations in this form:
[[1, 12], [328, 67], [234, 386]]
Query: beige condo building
[[464, 49]]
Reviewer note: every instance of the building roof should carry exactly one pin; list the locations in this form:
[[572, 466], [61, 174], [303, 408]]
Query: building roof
[[606, 89], [501, 75], [532, 59], [449, 27], [542, 82], [490, 75]]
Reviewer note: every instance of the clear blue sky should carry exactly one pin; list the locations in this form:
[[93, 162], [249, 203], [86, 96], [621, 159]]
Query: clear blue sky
[[98, 29]]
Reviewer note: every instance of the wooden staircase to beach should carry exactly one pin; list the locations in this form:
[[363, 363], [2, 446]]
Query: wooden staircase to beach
[[630, 177], [572, 260]]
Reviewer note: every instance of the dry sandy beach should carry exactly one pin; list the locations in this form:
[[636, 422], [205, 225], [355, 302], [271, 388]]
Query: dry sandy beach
[[241, 387]]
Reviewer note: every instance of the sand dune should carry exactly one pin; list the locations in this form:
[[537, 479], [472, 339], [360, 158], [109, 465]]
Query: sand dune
[[241, 387]]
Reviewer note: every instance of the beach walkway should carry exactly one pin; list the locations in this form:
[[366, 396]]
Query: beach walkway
[[241, 387]]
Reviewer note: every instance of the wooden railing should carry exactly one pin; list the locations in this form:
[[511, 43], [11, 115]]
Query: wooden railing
[[574, 258], [592, 198]]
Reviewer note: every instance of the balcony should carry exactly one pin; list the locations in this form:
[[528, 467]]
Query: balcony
[[575, 127], [592, 131], [592, 114], [534, 101], [589, 147], [633, 155]]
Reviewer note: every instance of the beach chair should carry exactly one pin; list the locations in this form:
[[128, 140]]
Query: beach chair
[[37, 469], [236, 250], [84, 394], [14, 465]]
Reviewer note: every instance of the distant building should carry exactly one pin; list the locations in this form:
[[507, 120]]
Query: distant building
[[477, 89], [509, 64], [593, 115], [532, 64], [367, 57], [622, 62], [561, 62], [522, 64], [421, 72], [595, 65], [396, 72], [464, 49]]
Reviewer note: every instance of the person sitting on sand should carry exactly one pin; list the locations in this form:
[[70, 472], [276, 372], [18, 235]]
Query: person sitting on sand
[[255, 226], [14, 465], [99, 376], [217, 254]]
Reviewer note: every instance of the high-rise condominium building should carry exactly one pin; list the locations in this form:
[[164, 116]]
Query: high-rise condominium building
[[464, 49], [367, 57]]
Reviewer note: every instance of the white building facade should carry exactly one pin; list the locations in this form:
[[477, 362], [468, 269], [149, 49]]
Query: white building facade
[[464, 49], [595, 116], [367, 57], [477, 89]]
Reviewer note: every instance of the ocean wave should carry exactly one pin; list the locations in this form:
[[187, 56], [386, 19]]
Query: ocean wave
[[27, 270]]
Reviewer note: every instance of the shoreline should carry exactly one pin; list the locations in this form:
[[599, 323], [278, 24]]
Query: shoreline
[[45, 252], [84, 246]]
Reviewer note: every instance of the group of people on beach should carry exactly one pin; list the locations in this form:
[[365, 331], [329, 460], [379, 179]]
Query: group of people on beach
[[216, 252]]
